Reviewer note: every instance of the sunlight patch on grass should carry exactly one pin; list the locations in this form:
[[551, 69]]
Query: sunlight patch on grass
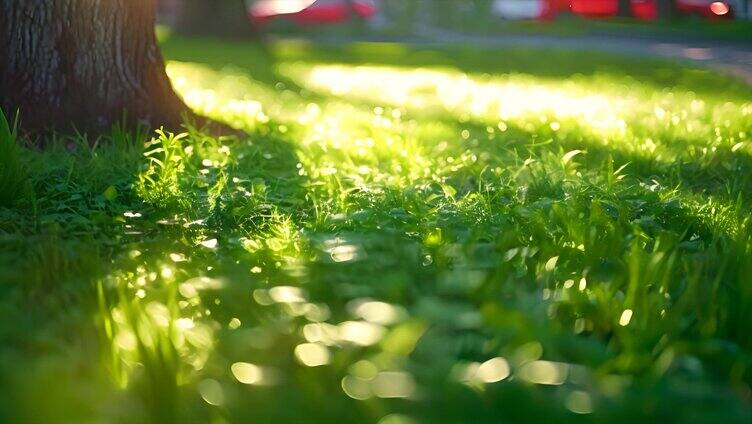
[[467, 97], [450, 244]]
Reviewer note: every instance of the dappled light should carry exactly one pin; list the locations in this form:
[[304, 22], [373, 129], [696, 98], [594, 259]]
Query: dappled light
[[471, 98], [398, 245]]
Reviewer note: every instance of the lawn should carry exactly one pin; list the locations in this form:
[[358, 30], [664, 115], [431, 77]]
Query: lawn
[[404, 236], [685, 29]]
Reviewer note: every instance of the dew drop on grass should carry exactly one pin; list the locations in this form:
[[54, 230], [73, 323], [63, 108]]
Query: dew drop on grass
[[356, 388], [187, 290], [177, 257], [579, 402], [391, 384], [361, 333], [211, 392], [262, 297], [551, 263], [286, 294], [344, 253], [583, 284], [493, 370], [246, 373], [210, 244], [625, 318], [378, 312], [185, 323], [317, 313], [234, 324], [312, 354], [544, 372], [167, 273]]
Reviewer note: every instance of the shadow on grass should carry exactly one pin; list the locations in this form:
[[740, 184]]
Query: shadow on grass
[[660, 74], [86, 228], [260, 60], [724, 174], [257, 59], [203, 308]]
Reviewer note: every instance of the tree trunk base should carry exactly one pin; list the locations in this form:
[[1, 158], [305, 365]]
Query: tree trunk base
[[83, 66]]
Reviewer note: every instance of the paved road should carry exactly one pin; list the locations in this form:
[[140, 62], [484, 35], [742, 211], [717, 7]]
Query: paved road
[[731, 58]]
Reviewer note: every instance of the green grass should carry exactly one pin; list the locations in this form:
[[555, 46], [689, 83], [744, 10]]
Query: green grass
[[12, 178], [405, 235]]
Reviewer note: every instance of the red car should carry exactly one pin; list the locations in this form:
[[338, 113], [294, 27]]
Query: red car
[[641, 9], [707, 8], [648, 9], [311, 11]]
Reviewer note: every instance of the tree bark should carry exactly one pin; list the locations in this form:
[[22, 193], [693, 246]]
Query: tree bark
[[84, 65]]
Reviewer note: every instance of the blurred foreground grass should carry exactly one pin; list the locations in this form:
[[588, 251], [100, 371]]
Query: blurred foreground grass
[[404, 236]]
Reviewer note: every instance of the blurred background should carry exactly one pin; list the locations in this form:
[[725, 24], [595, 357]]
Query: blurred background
[[415, 18]]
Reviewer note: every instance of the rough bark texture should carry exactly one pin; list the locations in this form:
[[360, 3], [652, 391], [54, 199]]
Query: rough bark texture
[[84, 65]]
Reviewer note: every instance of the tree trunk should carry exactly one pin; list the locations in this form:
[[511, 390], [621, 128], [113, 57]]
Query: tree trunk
[[84, 65], [223, 18]]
